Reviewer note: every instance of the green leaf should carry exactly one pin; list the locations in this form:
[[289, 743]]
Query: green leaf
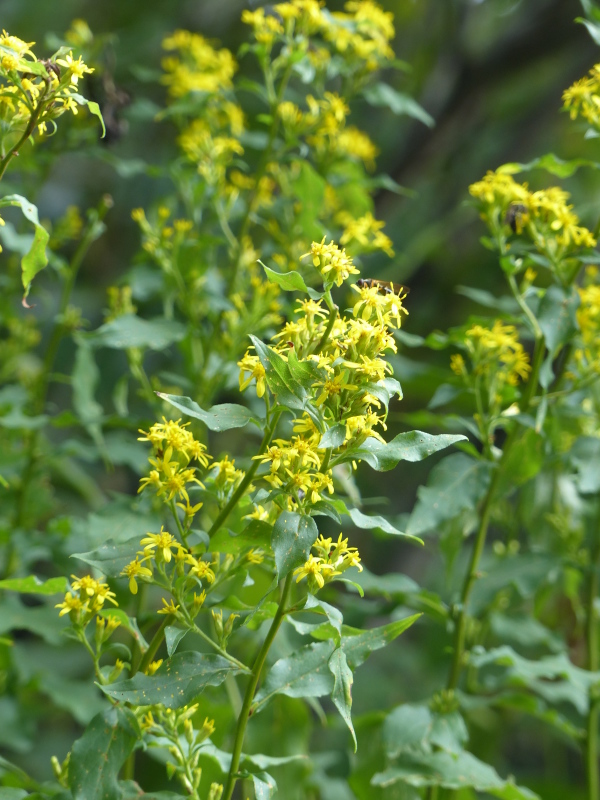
[[129, 331], [85, 380], [264, 785], [592, 27], [366, 522], [11, 793], [341, 693], [223, 417], [557, 317], [35, 259], [305, 673], [551, 163], [333, 437], [411, 446], [457, 483], [33, 585], [256, 534], [279, 379], [99, 754], [382, 94], [506, 304], [333, 614], [450, 771], [177, 682], [93, 108], [110, 558], [293, 536], [585, 457], [174, 635], [522, 462], [128, 623], [306, 373], [405, 727], [289, 281]]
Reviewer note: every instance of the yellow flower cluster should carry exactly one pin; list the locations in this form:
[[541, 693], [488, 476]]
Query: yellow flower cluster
[[544, 216], [583, 97], [587, 356], [332, 559], [197, 66], [86, 598], [346, 354], [34, 89], [364, 234], [360, 34], [175, 447], [159, 550], [495, 353]]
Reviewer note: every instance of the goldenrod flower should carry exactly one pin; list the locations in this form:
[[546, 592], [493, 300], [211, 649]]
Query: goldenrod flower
[[163, 542], [133, 570], [168, 607]]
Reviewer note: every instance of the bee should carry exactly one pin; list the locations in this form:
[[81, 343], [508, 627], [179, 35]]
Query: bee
[[384, 287], [515, 216]]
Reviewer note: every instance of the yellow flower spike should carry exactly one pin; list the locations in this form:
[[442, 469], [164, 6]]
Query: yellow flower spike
[[153, 665], [134, 570]]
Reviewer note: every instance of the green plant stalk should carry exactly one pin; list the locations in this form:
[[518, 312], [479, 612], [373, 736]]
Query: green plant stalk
[[247, 480], [593, 662], [33, 119], [251, 690], [182, 533], [155, 643]]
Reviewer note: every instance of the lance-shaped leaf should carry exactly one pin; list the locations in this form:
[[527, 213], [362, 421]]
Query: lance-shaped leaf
[[382, 94], [223, 417], [99, 754], [333, 614], [306, 673], [366, 522], [293, 536], [411, 446], [457, 483], [110, 558], [35, 259], [33, 585], [93, 108], [342, 688], [289, 281], [177, 682]]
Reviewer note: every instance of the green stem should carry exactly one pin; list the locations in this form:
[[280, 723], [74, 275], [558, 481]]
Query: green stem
[[155, 643], [251, 690], [33, 119], [217, 648], [182, 533], [333, 313], [247, 480], [593, 662]]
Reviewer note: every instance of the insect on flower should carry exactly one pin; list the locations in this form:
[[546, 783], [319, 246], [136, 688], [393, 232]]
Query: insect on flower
[[385, 287]]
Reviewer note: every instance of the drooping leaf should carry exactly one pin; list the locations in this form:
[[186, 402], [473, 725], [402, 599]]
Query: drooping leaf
[[110, 558], [341, 693], [177, 682], [411, 446], [129, 331], [223, 417], [33, 585], [93, 108], [293, 536], [35, 259], [99, 754], [457, 483], [382, 94]]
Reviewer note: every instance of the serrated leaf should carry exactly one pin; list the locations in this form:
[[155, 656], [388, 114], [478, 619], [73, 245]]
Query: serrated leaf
[[293, 536], [305, 673], [33, 585], [289, 281], [129, 331], [411, 446], [223, 417], [382, 94], [341, 693], [99, 754], [110, 558], [457, 483], [177, 682]]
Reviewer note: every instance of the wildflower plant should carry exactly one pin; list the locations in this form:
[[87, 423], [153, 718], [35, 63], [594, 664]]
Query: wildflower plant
[[225, 598]]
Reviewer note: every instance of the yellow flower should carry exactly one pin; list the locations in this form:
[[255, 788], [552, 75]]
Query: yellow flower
[[251, 364], [316, 570], [77, 69], [154, 665], [163, 542], [168, 608], [201, 569], [134, 569], [71, 603]]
